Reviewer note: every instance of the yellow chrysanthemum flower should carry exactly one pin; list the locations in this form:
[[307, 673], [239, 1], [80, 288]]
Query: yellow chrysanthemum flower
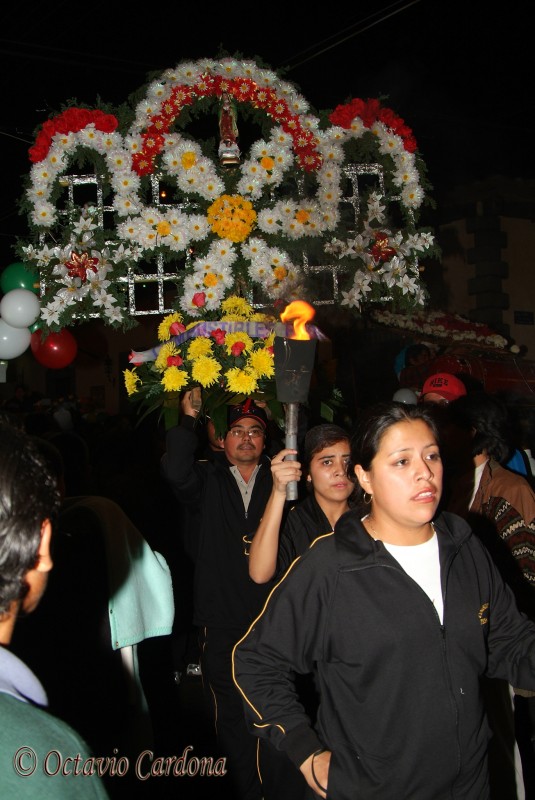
[[241, 381], [131, 380], [280, 273], [166, 350], [164, 332], [206, 370], [262, 362], [237, 306], [232, 338], [260, 317], [199, 346], [270, 340], [174, 379]]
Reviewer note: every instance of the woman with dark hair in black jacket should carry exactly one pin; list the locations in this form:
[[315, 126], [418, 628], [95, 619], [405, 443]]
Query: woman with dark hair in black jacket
[[286, 532], [399, 612]]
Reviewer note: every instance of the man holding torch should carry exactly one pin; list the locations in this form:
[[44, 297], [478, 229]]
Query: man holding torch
[[224, 499]]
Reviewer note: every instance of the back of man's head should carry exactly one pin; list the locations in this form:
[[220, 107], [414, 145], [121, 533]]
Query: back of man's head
[[28, 497], [485, 416]]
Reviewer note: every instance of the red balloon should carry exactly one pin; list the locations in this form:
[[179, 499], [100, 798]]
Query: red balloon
[[55, 350]]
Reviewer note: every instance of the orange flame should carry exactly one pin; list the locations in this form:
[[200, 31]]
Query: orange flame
[[301, 313]]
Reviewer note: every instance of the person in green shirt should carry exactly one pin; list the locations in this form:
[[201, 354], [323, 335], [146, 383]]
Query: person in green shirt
[[40, 755]]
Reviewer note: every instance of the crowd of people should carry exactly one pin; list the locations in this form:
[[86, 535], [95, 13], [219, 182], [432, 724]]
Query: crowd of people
[[374, 638]]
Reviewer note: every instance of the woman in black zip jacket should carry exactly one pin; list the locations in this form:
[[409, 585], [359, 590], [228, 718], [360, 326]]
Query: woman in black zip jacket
[[399, 614]]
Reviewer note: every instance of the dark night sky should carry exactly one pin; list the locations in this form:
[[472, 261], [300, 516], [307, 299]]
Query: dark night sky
[[459, 73]]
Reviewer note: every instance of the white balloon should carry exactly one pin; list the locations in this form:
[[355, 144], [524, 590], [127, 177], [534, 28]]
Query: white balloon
[[20, 308], [406, 396], [13, 341]]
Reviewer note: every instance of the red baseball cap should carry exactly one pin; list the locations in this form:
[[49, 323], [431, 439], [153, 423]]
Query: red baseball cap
[[446, 385]]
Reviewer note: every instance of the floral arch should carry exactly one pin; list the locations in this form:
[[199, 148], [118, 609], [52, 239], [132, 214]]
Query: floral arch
[[322, 207]]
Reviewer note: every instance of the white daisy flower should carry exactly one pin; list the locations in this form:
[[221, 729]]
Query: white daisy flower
[[125, 204], [125, 182], [404, 176], [43, 214], [412, 195]]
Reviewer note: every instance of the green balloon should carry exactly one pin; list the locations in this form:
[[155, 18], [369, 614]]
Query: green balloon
[[36, 326], [19, 276]]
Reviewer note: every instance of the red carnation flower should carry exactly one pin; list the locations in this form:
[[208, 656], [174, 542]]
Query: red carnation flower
[[106, 123], [237, 348], [218, 335], [38, 151]]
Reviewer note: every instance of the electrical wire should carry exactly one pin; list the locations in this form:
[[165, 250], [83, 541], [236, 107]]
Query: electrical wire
[[339, 41]]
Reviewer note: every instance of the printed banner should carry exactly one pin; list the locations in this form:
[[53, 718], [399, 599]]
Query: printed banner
[[256, 330]]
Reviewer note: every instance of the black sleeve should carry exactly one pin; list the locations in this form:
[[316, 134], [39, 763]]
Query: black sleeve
[[178, 465], [303, 523], [284, 640]]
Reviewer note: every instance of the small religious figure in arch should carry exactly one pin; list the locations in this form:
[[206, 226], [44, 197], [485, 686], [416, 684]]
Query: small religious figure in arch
[[229, 152]]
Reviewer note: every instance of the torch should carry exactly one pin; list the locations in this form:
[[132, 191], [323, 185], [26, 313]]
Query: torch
[[294, 360]]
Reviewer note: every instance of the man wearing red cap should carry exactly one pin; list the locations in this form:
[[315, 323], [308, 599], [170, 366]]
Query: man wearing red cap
[[442, 388], [224, 499]]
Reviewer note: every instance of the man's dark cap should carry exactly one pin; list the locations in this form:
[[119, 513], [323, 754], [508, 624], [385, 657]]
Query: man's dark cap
[[247, 410]]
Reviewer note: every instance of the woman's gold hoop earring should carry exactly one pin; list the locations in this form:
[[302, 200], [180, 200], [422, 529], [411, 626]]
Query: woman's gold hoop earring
[[369, 496]]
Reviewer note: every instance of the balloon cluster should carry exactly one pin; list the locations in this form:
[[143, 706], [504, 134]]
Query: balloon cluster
[[19, 326]]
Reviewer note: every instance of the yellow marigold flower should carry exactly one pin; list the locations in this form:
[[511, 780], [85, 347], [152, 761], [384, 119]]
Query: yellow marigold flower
[[241, 381], [163, 228], [236, 305], [188, 159], [210, 279], [164, 327], [262, 362], [302, 215], [267, 162], [205, 370], [280, 273], [174, 379], [232, 338], [131, 380], [199, 346], [231, 217], [166, 350]]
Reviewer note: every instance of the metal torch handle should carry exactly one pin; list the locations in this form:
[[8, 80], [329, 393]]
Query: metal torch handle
[[292, 413]]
